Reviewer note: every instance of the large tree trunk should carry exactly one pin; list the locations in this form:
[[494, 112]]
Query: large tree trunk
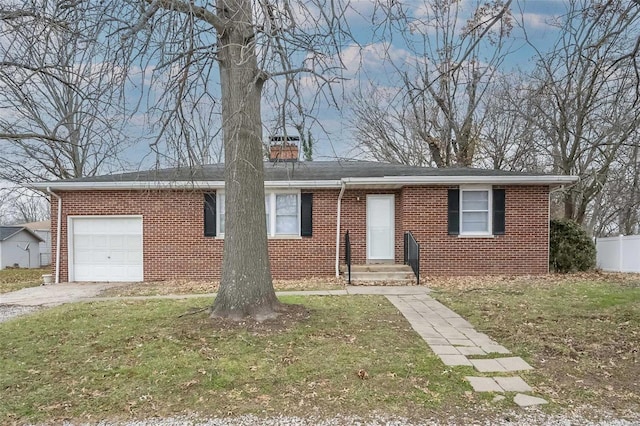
[[246, 288]]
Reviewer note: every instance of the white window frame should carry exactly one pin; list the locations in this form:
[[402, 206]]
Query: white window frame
[[271, 232], [219, 195], [271, 226], [489, 191]]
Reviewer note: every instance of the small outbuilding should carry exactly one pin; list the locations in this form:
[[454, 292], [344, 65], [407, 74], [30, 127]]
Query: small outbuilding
[[19, 247], [43, 230]]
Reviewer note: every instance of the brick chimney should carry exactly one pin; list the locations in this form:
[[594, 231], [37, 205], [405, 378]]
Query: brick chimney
[[283, 148]]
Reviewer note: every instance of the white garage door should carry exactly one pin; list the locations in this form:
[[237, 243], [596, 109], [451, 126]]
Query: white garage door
[[106, 249]]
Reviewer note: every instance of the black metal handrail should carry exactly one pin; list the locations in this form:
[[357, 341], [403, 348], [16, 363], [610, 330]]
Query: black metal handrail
[[347, 255], [412, 254]]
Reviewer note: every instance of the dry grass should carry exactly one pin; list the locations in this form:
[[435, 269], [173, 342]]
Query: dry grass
[[16, 279], [353, 355], [581, 332], [204, 287]]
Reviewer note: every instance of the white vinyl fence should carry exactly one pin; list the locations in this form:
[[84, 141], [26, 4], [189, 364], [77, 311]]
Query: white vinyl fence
[[621, 254]]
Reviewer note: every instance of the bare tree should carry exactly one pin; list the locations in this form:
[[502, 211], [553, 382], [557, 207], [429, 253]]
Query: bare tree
[[60, 118], [509, 141], [434, 114], [251, 44], [582, 98], [193, 138], [19, 205], [616, 208]]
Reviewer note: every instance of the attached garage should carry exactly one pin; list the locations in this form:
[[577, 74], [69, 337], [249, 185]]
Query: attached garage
[[105, 248]]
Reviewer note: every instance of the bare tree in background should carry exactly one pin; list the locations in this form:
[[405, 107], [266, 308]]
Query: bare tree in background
[[434, 115], [251, 44], [59, 116], [618, 203], [192, 138], [508, 138], [19, 205], [581, 103]]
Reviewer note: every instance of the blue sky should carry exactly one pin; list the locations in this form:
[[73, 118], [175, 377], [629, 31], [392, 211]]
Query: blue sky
[[333, 139]]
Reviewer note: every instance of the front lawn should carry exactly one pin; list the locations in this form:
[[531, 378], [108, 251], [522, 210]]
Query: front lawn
[[203, 287], [353, 355], [16, 279], [581, 332]]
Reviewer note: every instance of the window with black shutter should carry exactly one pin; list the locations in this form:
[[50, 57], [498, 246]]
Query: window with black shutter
[[454, 211], [498, 212], [306, 214], [210, 215]]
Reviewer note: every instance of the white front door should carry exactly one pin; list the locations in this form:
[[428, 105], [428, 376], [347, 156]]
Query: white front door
[[380, 227]]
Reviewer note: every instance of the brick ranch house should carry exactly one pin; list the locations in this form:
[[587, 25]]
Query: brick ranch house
[[169, 224]]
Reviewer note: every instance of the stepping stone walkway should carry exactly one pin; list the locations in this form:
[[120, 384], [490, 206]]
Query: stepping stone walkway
[[498, 384], [453, 339]]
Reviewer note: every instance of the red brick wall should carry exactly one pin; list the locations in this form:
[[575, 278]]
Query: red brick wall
[[175, 246], [522, 250]]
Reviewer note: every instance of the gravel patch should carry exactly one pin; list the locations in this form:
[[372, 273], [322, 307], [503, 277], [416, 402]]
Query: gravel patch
[[8, 312], [525, 418]]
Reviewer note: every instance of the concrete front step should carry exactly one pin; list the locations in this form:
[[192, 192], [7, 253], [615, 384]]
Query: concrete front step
[[380, 272], [382, 276], [378, 267]]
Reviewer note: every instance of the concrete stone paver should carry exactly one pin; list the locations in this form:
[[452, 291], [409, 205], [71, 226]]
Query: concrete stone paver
[[495, 348], [513, 384], [454, 360], [487, 365], [527, 400], [436, 341], [461, 342], [483, 384], [470, 350], [498, 384], [514, 364], [444, 350], [498, 365]]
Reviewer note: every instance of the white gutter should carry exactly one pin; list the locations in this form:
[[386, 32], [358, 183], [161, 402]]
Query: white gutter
[[58, 230], [458, 180], [395, 181], [103, 186], [343, 186]]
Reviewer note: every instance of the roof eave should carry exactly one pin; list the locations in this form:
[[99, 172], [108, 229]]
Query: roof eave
[[182, 185], [550, 180], [385, 181], [28, 231]]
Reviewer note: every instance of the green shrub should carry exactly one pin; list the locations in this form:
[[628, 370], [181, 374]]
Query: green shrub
[[570, 248]]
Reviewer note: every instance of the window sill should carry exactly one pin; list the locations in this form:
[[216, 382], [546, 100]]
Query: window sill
[[476, 236], [269, 237], [284, 237]]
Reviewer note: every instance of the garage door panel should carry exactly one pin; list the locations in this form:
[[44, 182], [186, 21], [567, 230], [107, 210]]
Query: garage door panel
[[106, 226], [132, 242], [90, 257], [107, 249]]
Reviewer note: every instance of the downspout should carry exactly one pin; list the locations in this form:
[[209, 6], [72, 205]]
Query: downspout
[[343, 186], [58, 230]]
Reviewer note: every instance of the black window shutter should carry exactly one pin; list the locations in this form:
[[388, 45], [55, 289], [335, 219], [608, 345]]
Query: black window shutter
[[210, 215], [306, 214], [498, 211], [454, 211]]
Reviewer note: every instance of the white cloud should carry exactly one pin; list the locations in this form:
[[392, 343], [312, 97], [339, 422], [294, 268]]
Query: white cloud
[[537, 20]]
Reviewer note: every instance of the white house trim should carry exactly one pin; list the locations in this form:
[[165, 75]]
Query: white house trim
[[388, 181]]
